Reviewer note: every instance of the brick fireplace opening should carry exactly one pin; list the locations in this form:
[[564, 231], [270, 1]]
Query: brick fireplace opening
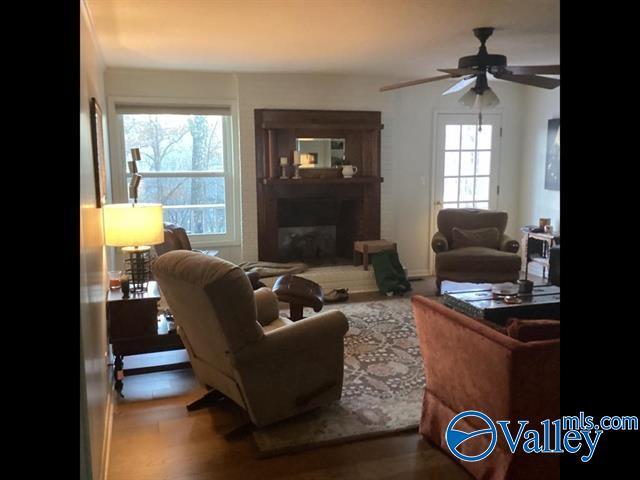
[[317, 231]]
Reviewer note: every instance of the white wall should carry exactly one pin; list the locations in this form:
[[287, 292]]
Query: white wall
[[535, 202], [322, 92], [95, 378], [407, 152], [413, 156]]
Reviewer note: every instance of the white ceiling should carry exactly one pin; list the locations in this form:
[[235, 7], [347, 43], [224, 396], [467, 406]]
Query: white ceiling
[[399, 38]]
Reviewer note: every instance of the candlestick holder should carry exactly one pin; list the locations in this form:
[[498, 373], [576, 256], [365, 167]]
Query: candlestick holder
[[297, 172], [284, 171]]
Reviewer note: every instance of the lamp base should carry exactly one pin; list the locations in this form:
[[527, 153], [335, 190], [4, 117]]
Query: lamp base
[[137, 267]]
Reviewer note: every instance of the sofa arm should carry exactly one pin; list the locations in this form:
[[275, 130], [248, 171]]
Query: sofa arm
[[439, 243], [508, 244], [267, 309]]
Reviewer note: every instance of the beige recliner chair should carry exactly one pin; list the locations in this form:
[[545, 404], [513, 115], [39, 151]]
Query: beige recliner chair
[[239, 345]]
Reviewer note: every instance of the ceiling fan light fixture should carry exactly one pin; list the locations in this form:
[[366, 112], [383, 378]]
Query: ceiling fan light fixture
[[488, 99], [469, 98]]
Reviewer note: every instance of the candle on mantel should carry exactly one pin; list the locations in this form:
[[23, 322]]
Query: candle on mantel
[[296, 157]]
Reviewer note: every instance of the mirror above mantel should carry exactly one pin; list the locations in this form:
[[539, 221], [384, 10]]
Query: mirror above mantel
[[321, 152]]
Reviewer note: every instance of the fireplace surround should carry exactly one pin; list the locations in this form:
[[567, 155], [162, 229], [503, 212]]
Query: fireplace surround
[[316, 220]]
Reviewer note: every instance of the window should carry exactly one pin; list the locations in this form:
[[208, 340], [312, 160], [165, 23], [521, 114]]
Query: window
[[467, 166], [186, 163]]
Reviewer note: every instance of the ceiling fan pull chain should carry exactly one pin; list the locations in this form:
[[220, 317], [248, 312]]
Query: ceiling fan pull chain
[[480, 121]]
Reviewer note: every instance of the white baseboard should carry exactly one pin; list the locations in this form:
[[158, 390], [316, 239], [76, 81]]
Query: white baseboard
[[106, 446], [413, 274]]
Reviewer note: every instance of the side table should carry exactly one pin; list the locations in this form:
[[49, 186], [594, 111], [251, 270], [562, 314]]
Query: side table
[[548, 240], [133, 329]]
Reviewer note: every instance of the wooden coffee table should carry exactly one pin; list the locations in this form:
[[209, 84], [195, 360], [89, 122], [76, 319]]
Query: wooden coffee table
[[543, 302]]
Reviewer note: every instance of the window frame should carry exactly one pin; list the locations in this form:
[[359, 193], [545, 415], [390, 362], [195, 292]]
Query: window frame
[[231, 172]]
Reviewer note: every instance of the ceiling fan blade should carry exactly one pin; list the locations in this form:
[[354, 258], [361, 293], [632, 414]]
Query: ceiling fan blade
[[534, 69], [413, 82], [533, 80], [458, 72], [460, 85]]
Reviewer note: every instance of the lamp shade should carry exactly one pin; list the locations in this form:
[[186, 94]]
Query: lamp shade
[[488, 99], [129, 224], [469, 98]]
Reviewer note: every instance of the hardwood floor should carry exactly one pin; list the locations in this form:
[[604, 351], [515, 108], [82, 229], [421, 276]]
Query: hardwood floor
[[155, 437]]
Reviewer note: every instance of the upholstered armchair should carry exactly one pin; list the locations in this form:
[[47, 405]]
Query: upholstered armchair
[[175, 238], [471, 246], [241, 348]]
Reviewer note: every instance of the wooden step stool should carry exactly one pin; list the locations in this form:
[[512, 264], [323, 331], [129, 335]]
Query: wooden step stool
[[363, 248]]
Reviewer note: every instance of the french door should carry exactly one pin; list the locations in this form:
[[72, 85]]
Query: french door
[[466, 163]]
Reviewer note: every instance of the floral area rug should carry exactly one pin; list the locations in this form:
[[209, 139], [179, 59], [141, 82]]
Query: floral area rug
[[383, 383]]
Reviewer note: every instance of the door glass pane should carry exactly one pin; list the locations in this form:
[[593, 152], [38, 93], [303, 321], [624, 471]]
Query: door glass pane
[[467, 163], [466, 189], [484, 138], [483, 163], [482, 188], [452, 137], [450, 190], [468, 137], [451, 164]]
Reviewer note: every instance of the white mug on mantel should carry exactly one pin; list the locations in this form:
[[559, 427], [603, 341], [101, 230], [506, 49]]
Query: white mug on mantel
[[349, 171]]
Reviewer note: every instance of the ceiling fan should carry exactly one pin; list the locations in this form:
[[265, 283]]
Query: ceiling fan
[[475, 68]]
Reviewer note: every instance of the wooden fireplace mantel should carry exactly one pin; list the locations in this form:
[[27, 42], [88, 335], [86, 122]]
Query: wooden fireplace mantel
[[276, 131], [326, 181]]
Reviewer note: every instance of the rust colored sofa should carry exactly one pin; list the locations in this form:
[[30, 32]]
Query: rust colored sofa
[[471, 366], [482, 262]]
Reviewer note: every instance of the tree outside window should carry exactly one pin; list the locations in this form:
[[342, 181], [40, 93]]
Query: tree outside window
[[183, 160]]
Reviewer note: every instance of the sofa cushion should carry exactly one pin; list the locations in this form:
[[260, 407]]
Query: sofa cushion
[[533, 330], [479, 237], [477, 259]]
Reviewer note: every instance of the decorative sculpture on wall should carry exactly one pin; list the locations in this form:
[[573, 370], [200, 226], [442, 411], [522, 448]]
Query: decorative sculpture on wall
[[552, 167]]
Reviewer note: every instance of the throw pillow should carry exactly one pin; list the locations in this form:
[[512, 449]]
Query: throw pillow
[[481, 237], [533, 330]]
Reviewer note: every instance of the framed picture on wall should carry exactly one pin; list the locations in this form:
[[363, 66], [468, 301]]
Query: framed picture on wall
[[97, 145], [552, 166]]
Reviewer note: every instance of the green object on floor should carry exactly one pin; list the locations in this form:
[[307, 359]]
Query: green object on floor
[[390, 275]]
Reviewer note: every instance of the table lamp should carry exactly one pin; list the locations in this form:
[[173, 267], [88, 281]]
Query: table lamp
[[134, 226]]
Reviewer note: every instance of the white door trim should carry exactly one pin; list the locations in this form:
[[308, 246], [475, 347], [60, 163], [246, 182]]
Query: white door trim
[[434, 169]]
